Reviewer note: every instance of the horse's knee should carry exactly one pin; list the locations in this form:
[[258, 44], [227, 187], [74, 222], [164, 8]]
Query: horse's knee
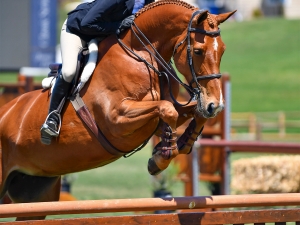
[[168, 112]]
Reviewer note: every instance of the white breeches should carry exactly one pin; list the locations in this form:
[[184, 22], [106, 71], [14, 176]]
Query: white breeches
[[71, 45]]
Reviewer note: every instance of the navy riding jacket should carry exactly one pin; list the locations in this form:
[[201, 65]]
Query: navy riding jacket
[[99, 18]]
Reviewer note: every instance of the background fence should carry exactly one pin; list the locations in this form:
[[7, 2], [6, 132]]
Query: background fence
[[266, 126]]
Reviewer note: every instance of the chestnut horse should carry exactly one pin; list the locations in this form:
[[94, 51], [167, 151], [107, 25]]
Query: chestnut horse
[[128, 95]]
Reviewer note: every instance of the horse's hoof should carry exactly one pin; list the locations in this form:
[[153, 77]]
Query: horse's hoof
[[153, 168]]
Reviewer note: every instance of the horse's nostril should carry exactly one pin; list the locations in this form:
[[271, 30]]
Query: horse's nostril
[[211, 108]]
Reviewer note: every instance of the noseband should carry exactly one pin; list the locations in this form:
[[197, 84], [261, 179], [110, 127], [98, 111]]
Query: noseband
[[168, 69]]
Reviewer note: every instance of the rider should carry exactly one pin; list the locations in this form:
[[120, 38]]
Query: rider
[[96, 19]]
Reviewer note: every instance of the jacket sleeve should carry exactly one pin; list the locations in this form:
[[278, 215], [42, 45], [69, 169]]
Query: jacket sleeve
[[96, 21], [149, 1]]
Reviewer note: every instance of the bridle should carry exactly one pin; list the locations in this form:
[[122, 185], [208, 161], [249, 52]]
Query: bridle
[[187, 38], [168, 69]]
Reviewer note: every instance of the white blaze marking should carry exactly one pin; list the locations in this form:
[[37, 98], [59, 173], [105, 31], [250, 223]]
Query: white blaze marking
[[215, 44], [221, 98], [221, 103]]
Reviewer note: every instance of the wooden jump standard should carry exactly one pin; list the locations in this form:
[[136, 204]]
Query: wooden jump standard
[[150, 204]]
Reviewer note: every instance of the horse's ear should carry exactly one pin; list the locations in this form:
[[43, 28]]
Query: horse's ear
[[201, 17], [223, 17]]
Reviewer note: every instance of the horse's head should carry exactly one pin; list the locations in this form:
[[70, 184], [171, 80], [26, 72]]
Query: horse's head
[[202, 47]]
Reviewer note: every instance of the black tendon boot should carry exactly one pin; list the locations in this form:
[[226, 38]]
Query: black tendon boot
[[51, 127]]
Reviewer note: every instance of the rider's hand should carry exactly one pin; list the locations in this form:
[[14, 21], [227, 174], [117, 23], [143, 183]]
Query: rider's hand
[[126, 23]]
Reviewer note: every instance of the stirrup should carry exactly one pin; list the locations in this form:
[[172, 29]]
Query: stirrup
[[48, 131]]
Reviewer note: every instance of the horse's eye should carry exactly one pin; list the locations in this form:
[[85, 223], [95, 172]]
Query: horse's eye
[[198, 52]]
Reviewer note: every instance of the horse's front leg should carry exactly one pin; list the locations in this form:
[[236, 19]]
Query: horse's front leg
[[188, 138], [194, 129], [167, 149], [137, 114]]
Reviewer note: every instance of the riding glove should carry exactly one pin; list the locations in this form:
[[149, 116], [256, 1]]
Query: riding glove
[[126, 23]]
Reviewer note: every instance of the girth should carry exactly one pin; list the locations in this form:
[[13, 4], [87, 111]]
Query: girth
[[87, 118]]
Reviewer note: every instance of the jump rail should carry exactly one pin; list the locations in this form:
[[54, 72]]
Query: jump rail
[[253, 146], [152, 204]]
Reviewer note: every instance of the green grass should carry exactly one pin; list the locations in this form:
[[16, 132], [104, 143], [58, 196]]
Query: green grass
[[12, 77], [263, 59]]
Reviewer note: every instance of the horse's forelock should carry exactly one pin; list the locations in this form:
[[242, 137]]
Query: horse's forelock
[[164, 2]]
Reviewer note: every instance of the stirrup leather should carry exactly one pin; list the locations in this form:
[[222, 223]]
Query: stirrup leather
[[48, 129]]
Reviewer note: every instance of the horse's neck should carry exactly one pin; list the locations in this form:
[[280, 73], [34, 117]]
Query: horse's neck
[[163, 27]]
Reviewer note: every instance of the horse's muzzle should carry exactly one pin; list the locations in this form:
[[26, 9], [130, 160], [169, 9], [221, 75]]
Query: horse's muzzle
[[209, 110], [213, 110]]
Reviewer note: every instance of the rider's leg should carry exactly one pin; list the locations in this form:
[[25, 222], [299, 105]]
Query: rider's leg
[[71, 45], [51, 126]]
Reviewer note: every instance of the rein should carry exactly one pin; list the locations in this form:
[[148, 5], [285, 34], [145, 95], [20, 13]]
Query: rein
[[168, 69]]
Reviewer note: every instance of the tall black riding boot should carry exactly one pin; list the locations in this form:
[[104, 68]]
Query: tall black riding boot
[[51, 127]]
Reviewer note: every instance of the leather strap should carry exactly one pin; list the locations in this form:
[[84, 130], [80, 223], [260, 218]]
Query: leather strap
[[87, 118]]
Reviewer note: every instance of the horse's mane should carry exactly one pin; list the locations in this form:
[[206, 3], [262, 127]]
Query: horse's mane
[[164, 2], [211, 21]]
